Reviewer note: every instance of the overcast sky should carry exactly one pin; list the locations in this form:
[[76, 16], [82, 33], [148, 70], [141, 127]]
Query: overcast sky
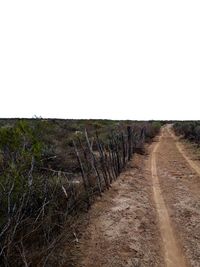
[[100, 59]]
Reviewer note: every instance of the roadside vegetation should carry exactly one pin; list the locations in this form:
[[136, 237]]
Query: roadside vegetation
[[50, 170], [189, 130]]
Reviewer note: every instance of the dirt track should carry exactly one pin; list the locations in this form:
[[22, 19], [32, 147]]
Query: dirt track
[[151, 215]]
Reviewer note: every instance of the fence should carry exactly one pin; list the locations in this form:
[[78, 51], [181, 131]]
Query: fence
[[36, 215], [102, 165]]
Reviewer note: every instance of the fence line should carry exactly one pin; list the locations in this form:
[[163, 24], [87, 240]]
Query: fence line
[[101, 167], [38, 213]]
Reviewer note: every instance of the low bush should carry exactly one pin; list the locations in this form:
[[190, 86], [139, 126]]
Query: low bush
[[189, 130], [51, 169]]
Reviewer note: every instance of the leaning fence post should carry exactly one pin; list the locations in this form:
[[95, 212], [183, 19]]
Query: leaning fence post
[[102, 159], [93, 162], [85, 184], [129, 142]]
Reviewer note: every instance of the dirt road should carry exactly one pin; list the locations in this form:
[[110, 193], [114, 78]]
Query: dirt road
[[151, 215]]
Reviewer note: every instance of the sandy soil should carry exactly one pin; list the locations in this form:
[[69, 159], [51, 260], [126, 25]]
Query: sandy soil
[[151, 215], [180, 187], [173, 254], [123, 224]]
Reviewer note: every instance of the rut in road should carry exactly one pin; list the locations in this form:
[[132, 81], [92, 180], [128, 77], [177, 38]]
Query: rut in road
[[172, 252], [150, 217], [122, 230]]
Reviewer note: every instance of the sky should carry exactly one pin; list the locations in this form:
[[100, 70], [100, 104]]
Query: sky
[[100, 59]]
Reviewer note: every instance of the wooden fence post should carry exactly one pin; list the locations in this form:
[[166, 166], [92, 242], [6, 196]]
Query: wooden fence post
[[129, 143], [85, 182], [93, 162]]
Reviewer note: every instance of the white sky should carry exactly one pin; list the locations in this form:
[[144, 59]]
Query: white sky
[[100, 59]]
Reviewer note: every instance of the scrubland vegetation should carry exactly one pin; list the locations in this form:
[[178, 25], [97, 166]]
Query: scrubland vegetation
[[189, 130], [50, 170]]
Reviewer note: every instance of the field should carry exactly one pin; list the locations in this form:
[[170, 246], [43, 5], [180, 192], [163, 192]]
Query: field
[[52, 171], [99, 193], [99, 133]]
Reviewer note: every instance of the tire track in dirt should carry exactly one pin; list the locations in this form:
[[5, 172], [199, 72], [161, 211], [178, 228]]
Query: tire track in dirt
[[141, 220], [122, 230], [180, 187], [192, 165], [172, 252]]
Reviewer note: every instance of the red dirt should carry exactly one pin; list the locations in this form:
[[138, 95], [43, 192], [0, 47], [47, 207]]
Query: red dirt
[[151, 215], [123, 224]]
